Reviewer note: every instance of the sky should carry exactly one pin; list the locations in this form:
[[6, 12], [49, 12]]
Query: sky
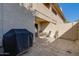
[[70, 11]]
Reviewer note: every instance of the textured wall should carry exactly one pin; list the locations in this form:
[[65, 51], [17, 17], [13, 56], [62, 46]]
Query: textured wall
[[44, 13], [71, 33]]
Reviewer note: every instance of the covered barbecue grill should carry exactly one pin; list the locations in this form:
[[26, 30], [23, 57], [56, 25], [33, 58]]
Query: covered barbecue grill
[[17, 40]]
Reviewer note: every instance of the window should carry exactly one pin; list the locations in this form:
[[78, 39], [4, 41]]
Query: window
[[54, 11], [36, 25], [47, 5]]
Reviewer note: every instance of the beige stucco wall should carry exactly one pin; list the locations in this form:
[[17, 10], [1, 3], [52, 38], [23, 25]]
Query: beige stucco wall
[[71, 34], [77, 41], [65, 30], [51, 27], [59, 20], [45, 13], [62, 28]]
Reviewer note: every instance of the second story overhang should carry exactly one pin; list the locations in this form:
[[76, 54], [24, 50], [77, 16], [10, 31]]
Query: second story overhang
[[41, 11]]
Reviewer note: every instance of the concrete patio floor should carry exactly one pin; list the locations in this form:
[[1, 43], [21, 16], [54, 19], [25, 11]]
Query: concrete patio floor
[[60, 47]]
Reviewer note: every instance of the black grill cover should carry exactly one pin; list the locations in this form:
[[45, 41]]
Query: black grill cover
[[17, 40]]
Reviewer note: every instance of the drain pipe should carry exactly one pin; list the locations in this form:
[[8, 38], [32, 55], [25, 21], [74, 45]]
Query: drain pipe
[[2, 16], [72, 32], [34, 15]]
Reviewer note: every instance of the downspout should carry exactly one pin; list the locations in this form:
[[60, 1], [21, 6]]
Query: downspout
[[72, 32], [2, 17]]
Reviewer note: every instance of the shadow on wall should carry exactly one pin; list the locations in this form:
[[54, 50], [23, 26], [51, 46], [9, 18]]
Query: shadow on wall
[[72, 33], [43, 25]]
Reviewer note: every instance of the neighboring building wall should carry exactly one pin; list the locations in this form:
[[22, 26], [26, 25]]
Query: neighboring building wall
[[68, 31], [51, 27], [15, 16], [59, 20], [77, 41], [64, 30], [54, 19], [56, 23], [44, 13]]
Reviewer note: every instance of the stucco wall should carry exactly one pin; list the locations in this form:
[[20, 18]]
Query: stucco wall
[[62, 28], [59, 20], [71, 33], [68, 31], [15, 16], [51, 27], [44, 12], [77, 41]]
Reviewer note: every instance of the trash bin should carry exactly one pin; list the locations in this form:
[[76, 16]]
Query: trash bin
[[17, 40]]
